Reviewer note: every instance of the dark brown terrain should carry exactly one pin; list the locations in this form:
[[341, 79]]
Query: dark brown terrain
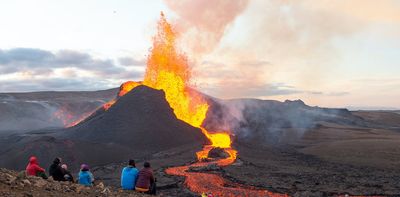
[[285, 147]]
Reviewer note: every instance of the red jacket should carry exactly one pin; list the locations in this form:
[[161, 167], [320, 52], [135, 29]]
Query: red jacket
[[145, 178], [33, 167]]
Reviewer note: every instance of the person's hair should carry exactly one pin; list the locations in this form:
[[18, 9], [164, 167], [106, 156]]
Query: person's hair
[[131, 162], [146, 164], [57, 160]]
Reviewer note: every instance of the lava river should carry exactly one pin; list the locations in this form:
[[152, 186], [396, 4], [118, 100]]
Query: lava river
[[204, 183]]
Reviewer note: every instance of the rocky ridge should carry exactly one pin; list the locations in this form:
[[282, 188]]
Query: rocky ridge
[[14, 183]]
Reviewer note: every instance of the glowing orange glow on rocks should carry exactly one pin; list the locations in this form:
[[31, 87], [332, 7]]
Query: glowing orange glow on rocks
[[68, 118], [109, 104], [127, 86], [123, 89]]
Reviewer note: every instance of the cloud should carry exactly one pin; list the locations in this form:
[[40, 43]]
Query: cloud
[[30, 59], [129, 61], [240, 90], [338, 93], [52, 84], [28, 69], [25, 55]]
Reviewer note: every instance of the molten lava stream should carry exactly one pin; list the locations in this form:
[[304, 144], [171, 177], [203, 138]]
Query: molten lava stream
[[218, 186], [204, 183]]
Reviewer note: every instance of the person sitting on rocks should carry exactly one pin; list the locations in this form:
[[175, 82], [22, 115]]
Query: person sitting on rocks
[[85, 177], [56, 171], [67, 174], [33, 168], [146, 181], [129, 176]]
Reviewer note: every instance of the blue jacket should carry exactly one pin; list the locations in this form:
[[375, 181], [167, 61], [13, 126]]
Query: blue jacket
[[128, 177], [85, 178]]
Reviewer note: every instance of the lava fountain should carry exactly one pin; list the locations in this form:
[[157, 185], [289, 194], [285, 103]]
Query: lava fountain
[[169, 71]]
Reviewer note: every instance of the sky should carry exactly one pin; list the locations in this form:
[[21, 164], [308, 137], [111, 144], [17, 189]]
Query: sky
[[343, 53]]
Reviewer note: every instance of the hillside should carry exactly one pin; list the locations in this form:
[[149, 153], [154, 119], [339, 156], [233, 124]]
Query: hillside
[[22, 112]]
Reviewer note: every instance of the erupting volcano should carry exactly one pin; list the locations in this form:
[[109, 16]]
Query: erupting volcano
[[168, 70]]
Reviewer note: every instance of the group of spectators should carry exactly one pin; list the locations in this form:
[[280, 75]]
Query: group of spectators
[[58, 171], [131, 178]]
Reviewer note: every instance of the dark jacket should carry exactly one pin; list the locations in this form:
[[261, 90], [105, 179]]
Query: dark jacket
[[145, 178], [68, 176], [56, 171]]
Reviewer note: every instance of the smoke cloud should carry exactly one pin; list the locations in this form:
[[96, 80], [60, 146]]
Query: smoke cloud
[[303, 43], [204, 23]]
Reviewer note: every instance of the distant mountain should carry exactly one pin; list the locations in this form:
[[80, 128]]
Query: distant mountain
[[21, 112], [371, 108], [267, 121]]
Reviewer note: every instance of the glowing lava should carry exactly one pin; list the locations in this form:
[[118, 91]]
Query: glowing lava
[[123, 89], [68, 118], [127, 86]]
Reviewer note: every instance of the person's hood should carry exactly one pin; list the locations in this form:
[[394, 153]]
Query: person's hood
[[85, 167], [33, 160]]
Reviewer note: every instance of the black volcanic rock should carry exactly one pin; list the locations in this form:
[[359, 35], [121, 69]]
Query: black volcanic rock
[[142, 119], [218, 153]]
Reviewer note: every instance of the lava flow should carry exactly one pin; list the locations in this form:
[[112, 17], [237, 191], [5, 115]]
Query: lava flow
[[68, 118]]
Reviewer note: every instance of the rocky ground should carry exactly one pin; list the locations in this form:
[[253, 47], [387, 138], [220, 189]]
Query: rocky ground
[[14, 183]]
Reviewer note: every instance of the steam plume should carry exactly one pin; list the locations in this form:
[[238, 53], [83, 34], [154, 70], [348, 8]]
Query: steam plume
[[205, 21]]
